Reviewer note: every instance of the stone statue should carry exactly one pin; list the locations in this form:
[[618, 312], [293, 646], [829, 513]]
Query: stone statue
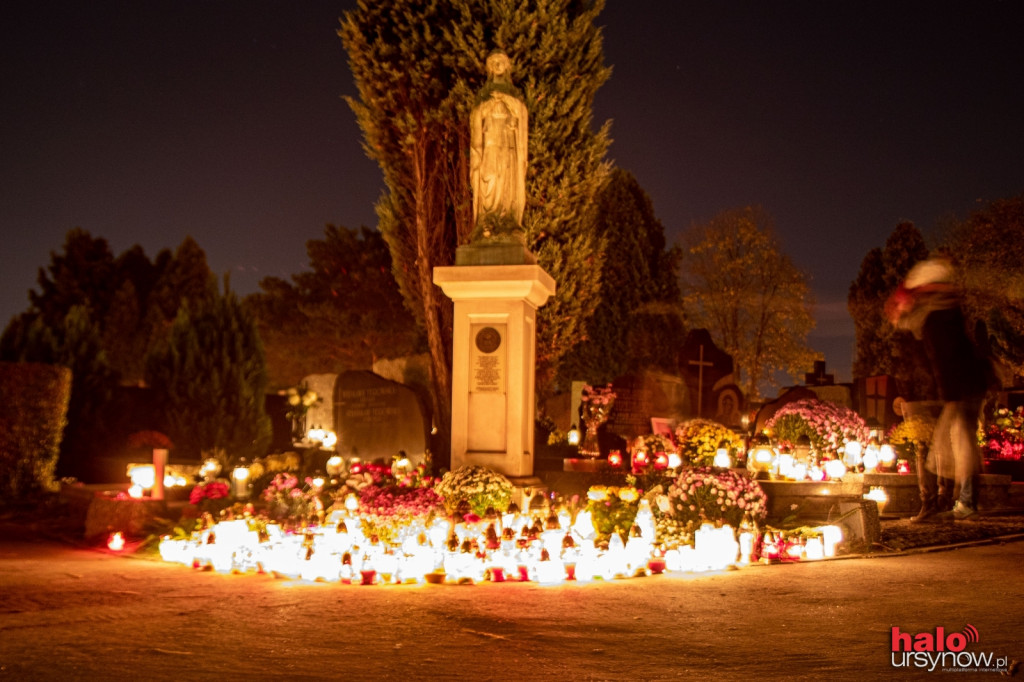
[[497, 161]]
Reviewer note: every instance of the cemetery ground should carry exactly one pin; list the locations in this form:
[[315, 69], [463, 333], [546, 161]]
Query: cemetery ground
[[73, 611]]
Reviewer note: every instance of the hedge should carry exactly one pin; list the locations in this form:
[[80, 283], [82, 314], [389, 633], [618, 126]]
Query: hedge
[[33, 412]]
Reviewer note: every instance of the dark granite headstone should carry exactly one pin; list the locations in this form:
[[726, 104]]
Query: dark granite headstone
[[631, 414], [641, 398], [378, 417]]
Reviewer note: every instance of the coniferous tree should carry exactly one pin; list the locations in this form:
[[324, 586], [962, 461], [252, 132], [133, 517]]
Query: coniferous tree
[[210, 377], [417, 67], [344, 313], [880, 348], [122, 336], [637, 323], [184, 277], [81, 274]]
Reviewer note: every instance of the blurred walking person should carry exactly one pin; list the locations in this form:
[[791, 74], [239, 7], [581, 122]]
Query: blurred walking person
[[928, 305]]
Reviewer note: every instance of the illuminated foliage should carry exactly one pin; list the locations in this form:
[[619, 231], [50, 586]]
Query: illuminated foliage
[[989, 248], [738, 285]]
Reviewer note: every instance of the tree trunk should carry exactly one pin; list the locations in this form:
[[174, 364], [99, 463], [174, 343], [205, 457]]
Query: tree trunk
[[429, 229]]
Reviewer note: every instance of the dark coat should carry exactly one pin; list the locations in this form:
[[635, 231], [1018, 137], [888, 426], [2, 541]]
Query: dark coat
[[960, 374]]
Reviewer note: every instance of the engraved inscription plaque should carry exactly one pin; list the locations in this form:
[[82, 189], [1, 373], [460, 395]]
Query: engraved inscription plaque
[[487, 368]]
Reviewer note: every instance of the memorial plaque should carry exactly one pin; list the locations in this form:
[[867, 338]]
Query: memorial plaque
[[488, 359]]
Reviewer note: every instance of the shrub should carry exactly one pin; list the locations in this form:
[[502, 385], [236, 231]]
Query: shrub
[[32, 419], [698, 440], [478, 486], [706, 494], [827, 425]]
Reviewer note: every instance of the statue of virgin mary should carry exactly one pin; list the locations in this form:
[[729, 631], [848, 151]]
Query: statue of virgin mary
[[498, 145]]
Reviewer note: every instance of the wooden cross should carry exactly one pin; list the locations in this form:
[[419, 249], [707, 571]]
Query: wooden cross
[[701, 364]]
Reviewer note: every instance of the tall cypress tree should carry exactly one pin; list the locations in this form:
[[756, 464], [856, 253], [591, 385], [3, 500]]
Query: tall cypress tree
[[417, 66]]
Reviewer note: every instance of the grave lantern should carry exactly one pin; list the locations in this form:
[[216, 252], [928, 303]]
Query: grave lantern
[[240, 479], [723, 460], [315, 435], [802, 450], [335, 465], [886, 456], [761, 457], [142, 475], [852, 454], [573, 436], [115, 542], [400, 464], [878, 494], [835, 469], [210, 468]]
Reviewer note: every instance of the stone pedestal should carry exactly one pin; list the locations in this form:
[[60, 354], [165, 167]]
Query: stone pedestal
[[107, 514], [159, 469], [494, 359]]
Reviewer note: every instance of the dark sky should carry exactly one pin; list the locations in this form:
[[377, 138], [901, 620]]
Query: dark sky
[[144, 122]]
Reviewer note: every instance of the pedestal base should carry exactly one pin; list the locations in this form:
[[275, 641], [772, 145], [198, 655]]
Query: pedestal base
[[525, 489], [496, 253], [587, 465]]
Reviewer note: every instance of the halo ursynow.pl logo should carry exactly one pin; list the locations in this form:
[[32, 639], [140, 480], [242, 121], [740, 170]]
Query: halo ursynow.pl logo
[[943, 650]]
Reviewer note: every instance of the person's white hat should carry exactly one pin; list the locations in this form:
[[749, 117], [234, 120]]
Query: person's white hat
[[931, 271]]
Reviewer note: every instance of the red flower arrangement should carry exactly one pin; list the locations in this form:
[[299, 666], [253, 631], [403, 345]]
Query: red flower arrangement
[[1003, 438], [151, 440], [389, 504], [211, 490]]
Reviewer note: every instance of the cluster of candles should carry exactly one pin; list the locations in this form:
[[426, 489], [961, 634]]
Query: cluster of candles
[[802, 465], [143, 478], [512, 547]]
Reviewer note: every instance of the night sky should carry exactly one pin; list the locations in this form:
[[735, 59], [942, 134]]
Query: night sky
[[144, 122]]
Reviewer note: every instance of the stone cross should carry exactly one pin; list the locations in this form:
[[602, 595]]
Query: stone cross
[[701, 363]]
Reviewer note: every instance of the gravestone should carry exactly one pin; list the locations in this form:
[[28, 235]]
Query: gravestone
[[321, 415], [375, 418], [639, 398], [631, 413], [704, 366]]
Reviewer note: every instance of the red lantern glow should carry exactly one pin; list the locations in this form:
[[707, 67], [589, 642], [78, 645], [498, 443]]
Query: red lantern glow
[[639, 459], [115, 542], [615, 459]]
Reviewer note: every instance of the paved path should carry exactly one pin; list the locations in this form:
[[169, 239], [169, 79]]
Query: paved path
[[70, 613]]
